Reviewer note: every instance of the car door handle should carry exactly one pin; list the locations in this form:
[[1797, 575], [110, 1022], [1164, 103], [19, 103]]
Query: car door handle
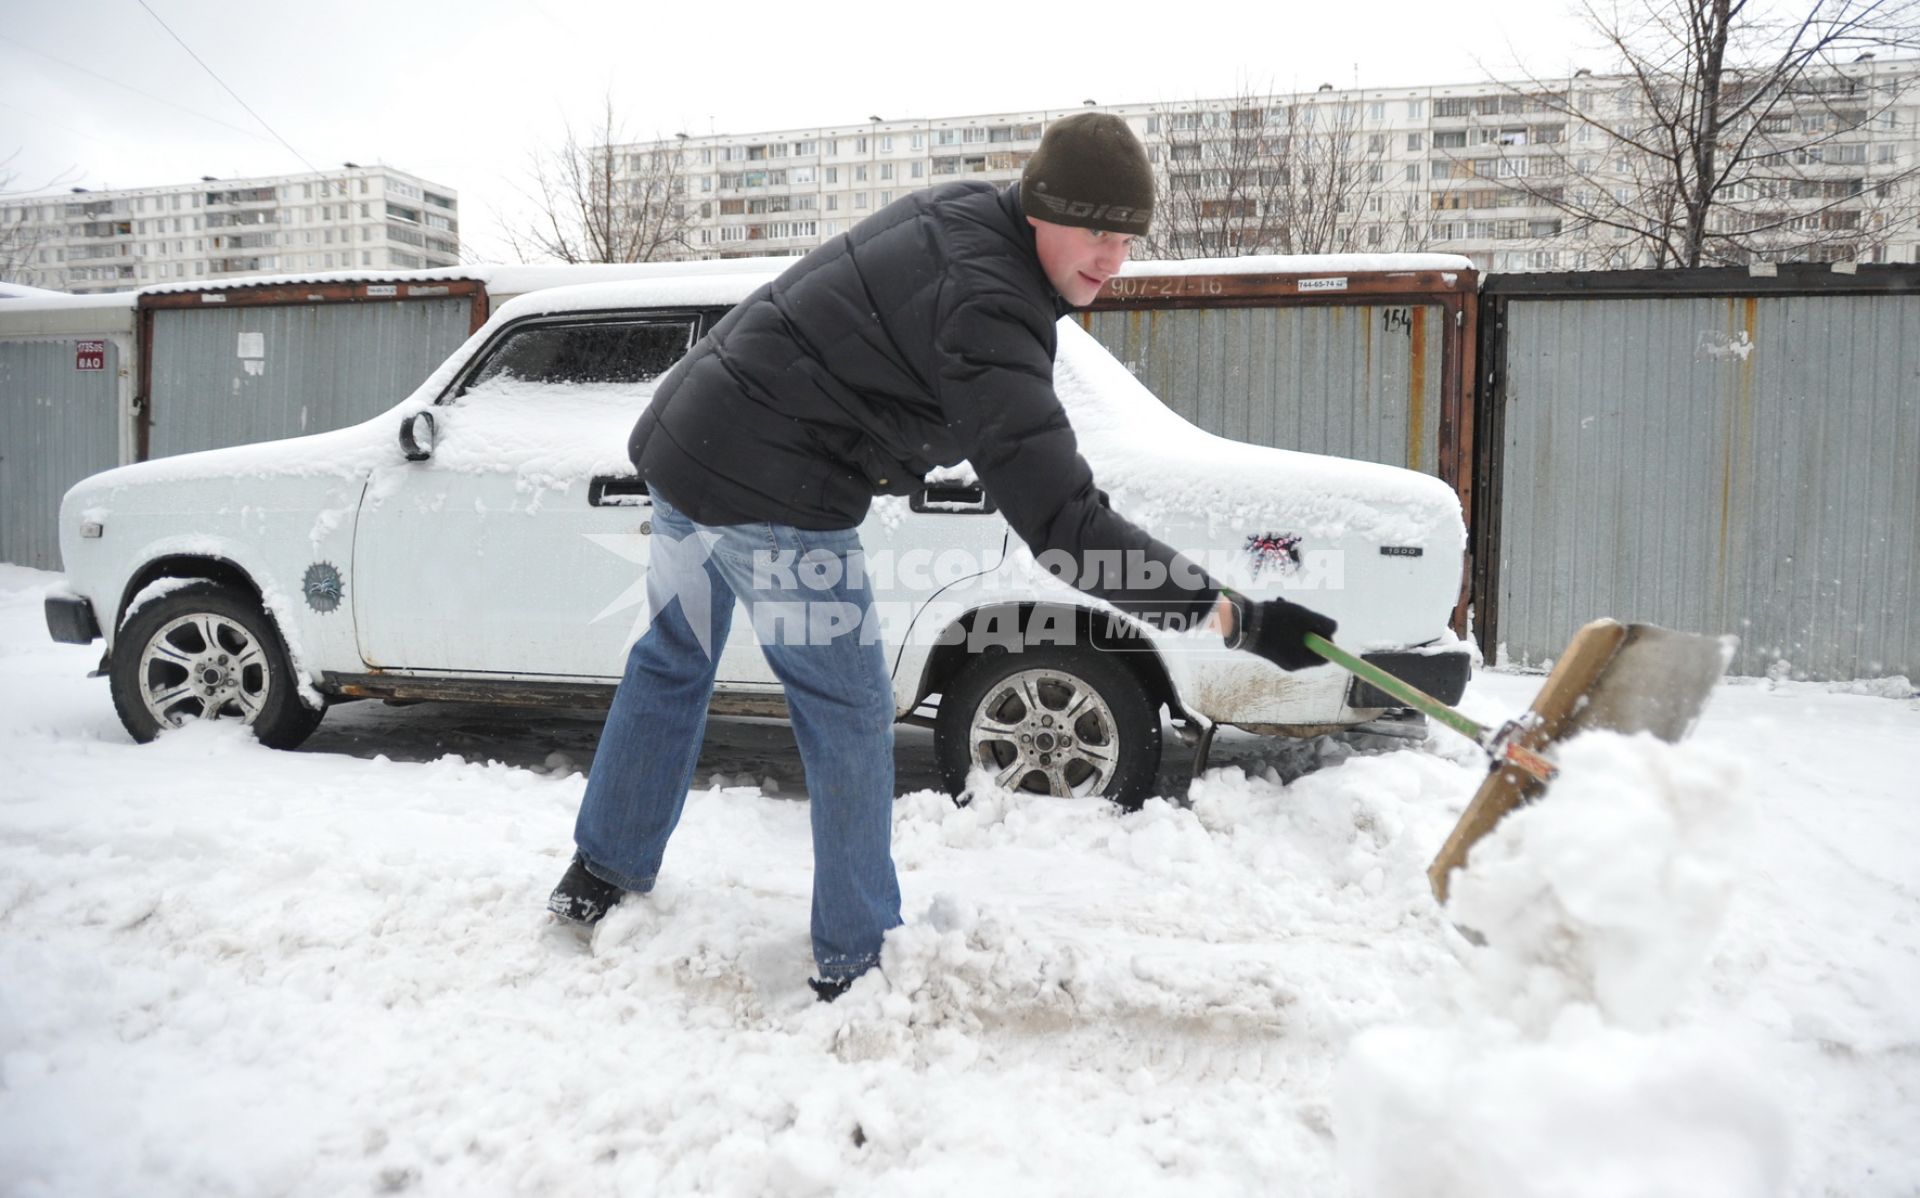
[[617, 490], [951, 497]]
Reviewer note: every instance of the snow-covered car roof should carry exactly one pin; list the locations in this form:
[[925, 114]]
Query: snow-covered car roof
[[684, 290]]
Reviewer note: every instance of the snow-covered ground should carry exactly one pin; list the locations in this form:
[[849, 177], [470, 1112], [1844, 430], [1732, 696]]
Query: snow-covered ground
[[226, 970]]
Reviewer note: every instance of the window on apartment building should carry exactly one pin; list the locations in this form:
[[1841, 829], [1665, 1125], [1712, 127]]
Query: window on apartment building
[[918, 141], [833, 203], [833, 174], [1450, 139], [884, 198], [860, 174], [1416, 141], [919, 169], [859, 199], [1377, 111], [1376, 143], [859, 145], [1416, 110], [886, 144], [1376, 172], [886, 170], [1413, 172], [801, 174]]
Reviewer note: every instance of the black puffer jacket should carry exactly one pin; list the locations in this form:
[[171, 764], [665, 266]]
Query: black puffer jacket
[[923, 336]]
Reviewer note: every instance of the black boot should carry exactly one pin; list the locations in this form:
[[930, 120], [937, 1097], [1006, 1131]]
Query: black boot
[[827, 990], [582, 898]]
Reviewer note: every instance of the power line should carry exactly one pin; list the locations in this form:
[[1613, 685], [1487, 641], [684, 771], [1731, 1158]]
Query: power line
[[74, 66], [223, 83]]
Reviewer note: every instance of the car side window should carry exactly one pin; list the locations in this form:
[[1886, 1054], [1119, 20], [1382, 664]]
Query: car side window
[[610, 352]]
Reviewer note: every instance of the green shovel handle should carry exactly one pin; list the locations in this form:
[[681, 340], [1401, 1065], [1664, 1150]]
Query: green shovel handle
[[1412, 696]]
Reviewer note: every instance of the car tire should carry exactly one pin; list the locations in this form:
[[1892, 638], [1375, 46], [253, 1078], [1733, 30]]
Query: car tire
[[201, 652], [1071, 722]]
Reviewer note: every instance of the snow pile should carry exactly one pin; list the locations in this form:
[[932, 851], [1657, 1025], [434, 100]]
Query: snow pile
[[226, 971], [1562, 1069]]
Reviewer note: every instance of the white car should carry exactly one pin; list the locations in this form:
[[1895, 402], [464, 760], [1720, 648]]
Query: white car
[[486, 539]]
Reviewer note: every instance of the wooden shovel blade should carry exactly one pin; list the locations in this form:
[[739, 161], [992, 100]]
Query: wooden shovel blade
[[1624, 678]]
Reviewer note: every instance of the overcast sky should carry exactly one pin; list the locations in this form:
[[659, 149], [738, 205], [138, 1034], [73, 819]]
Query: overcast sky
[[96, 93]]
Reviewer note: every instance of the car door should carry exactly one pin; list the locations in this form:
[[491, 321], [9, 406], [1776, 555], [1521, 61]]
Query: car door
[[519, 545]]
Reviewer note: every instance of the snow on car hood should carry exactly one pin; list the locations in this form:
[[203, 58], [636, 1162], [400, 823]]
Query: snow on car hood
[[1155, 464]]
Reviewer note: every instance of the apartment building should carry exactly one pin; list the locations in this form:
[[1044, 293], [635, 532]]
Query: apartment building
[[1487, 170], [357, 217]]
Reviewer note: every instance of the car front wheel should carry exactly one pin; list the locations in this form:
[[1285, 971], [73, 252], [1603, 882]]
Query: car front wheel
[[1069, 722], [206, 652]]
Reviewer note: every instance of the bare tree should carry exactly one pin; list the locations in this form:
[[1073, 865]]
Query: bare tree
[[1261, 174], [605, 199], [1731, 132], [20, 235]]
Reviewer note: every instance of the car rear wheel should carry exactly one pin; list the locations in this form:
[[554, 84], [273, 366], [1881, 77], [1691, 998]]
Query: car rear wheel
[[205, 652], [1070, 722]]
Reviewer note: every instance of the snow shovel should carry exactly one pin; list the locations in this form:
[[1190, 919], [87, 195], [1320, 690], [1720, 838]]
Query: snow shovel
[[1620, 677]]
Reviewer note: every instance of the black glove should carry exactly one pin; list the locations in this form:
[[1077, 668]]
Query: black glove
[[1276, 630]]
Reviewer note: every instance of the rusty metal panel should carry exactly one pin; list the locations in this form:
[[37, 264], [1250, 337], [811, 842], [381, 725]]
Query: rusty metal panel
[[58, 424], [1353, 380], [1733, 464], [225, 375]]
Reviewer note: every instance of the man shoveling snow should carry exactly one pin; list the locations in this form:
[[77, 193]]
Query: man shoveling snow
[[924, 336]]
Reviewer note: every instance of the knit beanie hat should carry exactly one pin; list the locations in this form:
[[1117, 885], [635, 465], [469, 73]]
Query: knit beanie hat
[[1090, 171]]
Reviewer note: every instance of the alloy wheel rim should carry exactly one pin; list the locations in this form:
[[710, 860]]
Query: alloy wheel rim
[[204, 666], [1047, 732]]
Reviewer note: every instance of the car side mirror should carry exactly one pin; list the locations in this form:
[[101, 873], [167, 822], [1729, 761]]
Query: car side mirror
[[416, 436]]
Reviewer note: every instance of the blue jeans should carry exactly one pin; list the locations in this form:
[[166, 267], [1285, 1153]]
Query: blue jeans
[[839, 691]]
